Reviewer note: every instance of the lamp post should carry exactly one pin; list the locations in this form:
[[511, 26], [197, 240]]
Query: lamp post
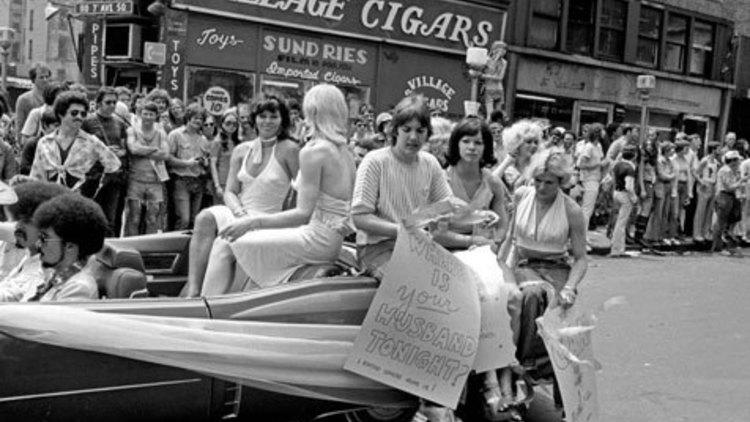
[[6, 41], [645, 84], [476, 59]]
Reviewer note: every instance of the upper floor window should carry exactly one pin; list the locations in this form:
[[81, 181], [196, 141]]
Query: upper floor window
[[31, 19], [612, 22], [676, 43], [545, 21], [701, 55], [649, 36], [31, 50], [581, 26]]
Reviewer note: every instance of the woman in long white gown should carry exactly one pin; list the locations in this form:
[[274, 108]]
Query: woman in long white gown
[[270, 247], [260, 175]]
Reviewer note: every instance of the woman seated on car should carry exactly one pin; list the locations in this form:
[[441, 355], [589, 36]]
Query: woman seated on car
[[259, 180], [271, 247], [470, 156]]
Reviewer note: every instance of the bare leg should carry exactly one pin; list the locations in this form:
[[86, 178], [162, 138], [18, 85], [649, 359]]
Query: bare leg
[[204, 234], [220, 271]]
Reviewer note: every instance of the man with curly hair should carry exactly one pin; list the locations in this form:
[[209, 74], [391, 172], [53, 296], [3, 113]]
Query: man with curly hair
[[71, 229], [22, 280]]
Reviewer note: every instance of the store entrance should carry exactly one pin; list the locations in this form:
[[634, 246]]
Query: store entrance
[[585, 112]]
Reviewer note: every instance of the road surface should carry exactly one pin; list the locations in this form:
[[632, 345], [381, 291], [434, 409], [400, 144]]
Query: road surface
[[680, 349]]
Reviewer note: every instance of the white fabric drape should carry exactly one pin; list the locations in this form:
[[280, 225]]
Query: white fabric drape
[[298, 359]]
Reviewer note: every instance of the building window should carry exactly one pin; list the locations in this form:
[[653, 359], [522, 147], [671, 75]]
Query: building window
[[31, 19], [676, 46], [701, 56], [31, 50], [545, 21], [612, 23], [581, 26], [649, 35]]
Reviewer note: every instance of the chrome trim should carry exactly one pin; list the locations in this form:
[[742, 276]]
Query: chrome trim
[[98, 390]]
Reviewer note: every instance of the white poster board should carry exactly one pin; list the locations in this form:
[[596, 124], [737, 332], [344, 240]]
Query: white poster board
[[421, 332], [496, 347], [567, 337]]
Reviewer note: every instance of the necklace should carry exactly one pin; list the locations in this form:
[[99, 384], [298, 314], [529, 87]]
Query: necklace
[[265, 143]]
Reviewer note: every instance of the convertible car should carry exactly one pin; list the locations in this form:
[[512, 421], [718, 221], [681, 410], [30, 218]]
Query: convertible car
[[144, 275]]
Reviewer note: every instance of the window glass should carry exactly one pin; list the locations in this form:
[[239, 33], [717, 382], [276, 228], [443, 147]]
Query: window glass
[[239, 84], [649, 34], [546, 23], [545, 33], [581, 26], [612, 28], [702, 51], [550, 8], [674, 57]]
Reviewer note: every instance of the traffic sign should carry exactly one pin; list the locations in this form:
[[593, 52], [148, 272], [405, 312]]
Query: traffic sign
[[154, 53], [100, 8], [216, 100]]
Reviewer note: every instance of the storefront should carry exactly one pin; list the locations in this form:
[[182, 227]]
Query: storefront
[[376, 51], [572, 95]]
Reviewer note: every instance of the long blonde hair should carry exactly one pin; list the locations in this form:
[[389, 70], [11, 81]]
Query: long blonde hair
[[326, 112]]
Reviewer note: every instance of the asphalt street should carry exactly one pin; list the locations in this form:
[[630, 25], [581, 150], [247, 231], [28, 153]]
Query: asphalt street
[[678, 350]]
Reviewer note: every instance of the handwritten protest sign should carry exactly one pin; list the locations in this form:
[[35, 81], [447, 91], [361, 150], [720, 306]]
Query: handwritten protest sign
[[421, 332], [496, 348], [567, 337]]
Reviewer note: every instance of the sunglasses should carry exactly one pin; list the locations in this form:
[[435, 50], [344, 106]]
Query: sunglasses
[[208, 124], [76, 113], [109, 102], [230, 123], [44, 239]]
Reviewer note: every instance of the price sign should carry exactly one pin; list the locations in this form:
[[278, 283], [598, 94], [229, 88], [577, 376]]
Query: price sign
[[98, 8], [216, 100]]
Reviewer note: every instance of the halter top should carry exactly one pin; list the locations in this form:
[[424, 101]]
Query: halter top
[[550, 236], [267, 191], [483, 196]]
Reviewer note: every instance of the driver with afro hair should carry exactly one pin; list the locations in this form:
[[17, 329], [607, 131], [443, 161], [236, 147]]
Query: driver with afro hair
[[71, 229]]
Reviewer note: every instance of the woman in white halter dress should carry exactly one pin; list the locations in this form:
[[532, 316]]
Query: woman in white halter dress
[[259, 180], [270, 247]]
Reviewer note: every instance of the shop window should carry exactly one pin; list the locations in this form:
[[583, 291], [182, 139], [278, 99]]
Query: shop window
[[239, 84], [612, 23], [649, 36], [357, 97], [676, 46], [701, 55], [559, 111], [545, 21], [581, 26]]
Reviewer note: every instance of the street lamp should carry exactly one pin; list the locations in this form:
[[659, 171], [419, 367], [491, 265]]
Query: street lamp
[[645, 84], [6, 41], [476, 59]]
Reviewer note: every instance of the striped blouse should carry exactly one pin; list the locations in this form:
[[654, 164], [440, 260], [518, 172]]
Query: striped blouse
[[393, 190]]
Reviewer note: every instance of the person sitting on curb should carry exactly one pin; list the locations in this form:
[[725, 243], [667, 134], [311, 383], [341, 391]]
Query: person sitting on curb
[[23, 279], [71, 229]]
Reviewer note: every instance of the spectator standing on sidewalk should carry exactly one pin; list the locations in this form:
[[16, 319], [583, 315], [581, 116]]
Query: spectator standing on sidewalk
[[67, 154], [32, 129], [728, 210], [39, 74], [683, 188], [590, 163], [148, 146], [705, 175], [745, 173], [646, 182], [189, 151], [624, 174], [659, 228], [108, 190]]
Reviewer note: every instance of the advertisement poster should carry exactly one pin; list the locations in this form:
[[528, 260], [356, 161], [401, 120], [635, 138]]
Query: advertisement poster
[[496, 348], [567, 337], [422, 330]]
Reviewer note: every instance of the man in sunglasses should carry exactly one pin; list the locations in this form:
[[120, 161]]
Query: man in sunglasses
[[71, 229], [66, 155], [22, 280], [110, 128]]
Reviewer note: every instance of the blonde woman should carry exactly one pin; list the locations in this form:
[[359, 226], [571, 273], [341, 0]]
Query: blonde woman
[[271, 247], [521, 141]]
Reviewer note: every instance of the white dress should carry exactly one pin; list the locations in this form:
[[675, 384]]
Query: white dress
[[263, 194], [270, 257]]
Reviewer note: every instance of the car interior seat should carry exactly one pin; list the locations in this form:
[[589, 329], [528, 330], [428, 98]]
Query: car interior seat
[[119, 271]]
